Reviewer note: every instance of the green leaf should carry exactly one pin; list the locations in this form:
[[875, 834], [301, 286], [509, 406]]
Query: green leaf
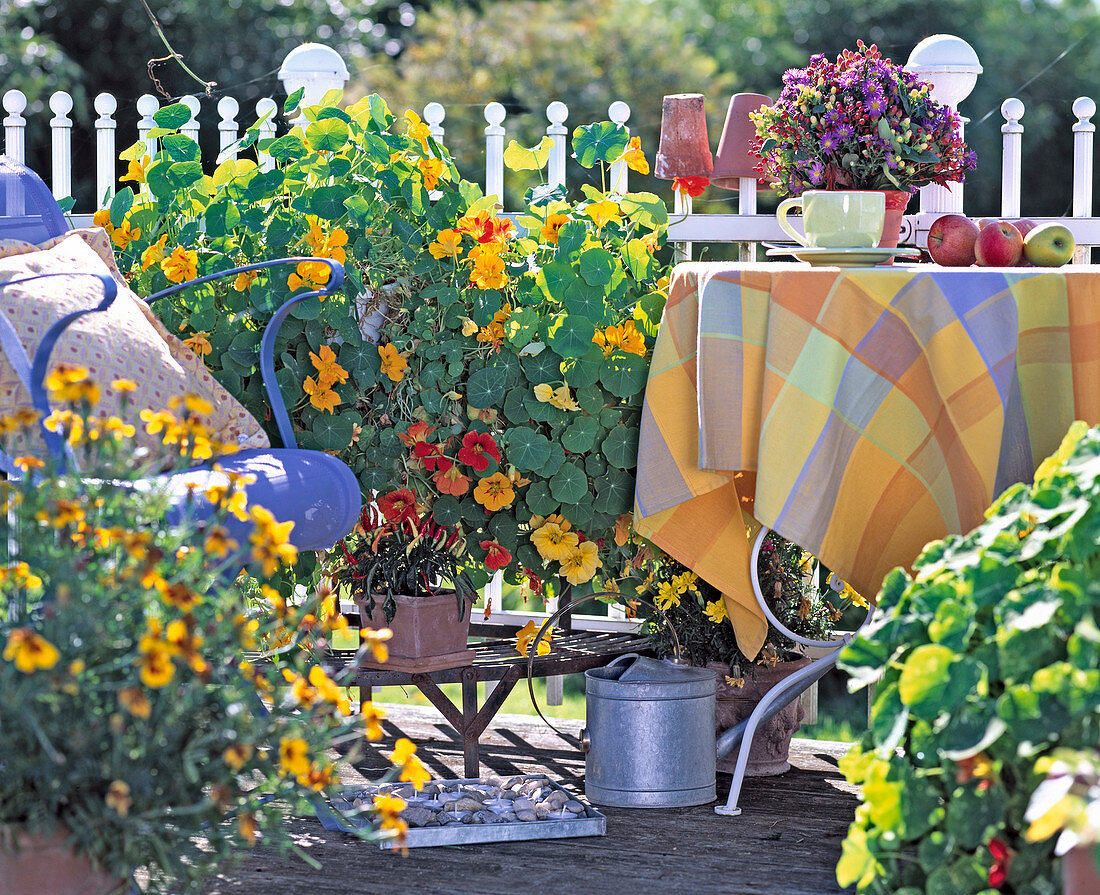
[[527, 449], [554, 279], [334, 432], [539, 500], [327, 135], [639, 261], [621, 447], [292, 101], [571, 238], [554, 462], [645, 209], [584, 371], [624, 374], [569, 484], [327, 202], [924, 673], [522, 326], [179, 148], [647, 313], [570, 335], [519, 158], [447, 510], [183, 174], [587, 301], [602, 142], [614, 492], [287, 147], [540, 368], [580, 436], [596, 266], [485, 387], [221, 217], [951, 625], [121, 205], [174, 116]]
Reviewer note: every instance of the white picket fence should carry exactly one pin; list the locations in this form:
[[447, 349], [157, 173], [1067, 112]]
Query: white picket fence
[[319, 69]]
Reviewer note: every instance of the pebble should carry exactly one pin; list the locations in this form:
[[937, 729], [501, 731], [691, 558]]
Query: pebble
[[491, 800]]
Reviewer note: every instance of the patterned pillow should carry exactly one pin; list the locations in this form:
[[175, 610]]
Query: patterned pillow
[[124, 342]]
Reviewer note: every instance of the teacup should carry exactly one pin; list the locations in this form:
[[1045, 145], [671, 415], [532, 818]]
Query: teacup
[[836, 219]]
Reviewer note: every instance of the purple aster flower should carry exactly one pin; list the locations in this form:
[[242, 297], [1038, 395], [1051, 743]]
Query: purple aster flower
[[844, 131], [817, 172], [829, 141], [876, 105]]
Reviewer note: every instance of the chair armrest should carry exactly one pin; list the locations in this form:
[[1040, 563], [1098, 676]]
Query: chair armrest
[[271, 330], [33, 373]]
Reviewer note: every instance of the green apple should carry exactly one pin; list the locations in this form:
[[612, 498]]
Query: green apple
[[1049, 245]]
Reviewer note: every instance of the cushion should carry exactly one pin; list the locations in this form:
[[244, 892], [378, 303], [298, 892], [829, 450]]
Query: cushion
[[124, 342]]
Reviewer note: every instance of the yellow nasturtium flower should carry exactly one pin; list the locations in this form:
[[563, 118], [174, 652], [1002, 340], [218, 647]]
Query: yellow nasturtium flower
[[553, 542], [30, 651], [447, 244], [581, 564], [526, 634], [155, 253], [181, 265], [393, 364], [602, 212], [135, 171]]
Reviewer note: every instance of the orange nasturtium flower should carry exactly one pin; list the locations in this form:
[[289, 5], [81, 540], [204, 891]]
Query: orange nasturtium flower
[[135, 171], [181, 265], [293, 756], [634, 157], [309, 274], [495, 492], [451, 481], [102, 218], [199, 344], [552, 227], [393, 364], [329, 371], [372, 719], [418, 130], [155, 253], [431, 169], [488, 272], [447, 244], [526, 634], [30, 651], [496, 556], [123, 234], [245, 279]]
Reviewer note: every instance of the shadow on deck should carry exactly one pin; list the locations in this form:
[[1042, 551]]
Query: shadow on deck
[[786, 842]]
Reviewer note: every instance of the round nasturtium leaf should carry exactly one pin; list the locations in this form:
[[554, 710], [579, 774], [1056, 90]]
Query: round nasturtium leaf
[[614, 492], [522, 326], [539, 499], [570, 335], [604, 141], [446, 510], [543, 367], [586, 300], [486, 386], [554, 279], [621, 447], [580, 436], [528, 450], [173, 116], [327, 135], [624, 374], [327, 202], [334, 432], [569, 484], [553, 464], [924, 672], [596, 266]]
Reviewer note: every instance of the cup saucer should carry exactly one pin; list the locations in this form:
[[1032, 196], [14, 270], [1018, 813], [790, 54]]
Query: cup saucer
[[855, 256]]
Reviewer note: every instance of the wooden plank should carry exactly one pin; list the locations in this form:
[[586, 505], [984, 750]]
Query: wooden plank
[[786, 842]]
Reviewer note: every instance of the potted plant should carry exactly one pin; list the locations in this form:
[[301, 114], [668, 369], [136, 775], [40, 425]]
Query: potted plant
[[698, 614], [132, 734], [983, 662], [403, 571], [859, 123], [1068, 801]]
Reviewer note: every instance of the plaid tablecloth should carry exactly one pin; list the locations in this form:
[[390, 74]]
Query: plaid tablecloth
[[860, 413]]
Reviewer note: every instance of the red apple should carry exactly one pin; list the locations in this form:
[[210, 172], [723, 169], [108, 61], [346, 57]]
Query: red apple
[[998, 245], [985, 222], [951, 240], [1024, 225]]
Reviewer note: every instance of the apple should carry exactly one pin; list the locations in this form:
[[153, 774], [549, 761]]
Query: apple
[[998, 245], [1049, 245], [1024, 225], [985, 222], [951, 240]]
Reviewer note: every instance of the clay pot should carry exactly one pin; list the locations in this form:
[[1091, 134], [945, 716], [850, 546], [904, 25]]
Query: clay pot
[[42, 864], [1080, 873], [428, 633], [896, 202], [684, 150], [772, 743], [734, 159]]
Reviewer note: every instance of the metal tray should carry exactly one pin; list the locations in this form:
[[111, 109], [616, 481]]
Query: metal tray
[[591, 823]]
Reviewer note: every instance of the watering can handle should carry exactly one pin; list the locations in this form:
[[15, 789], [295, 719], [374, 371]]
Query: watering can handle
[[549, 623]]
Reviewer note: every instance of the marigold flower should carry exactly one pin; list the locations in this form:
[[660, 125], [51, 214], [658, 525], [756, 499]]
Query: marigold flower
[[118, 797], [124, 385], [157, 667], [293, 756], [199, 343], [496, 557], [477, 448], [246, 823], [393, 364], [181, 265], [237, 755], [71, 383], [270, 541], [495, 492], [28, 463], [30, 651], [553, 542], [155, 253], [372, 719], [397, 506], [134, 700], [581, 564], [716, 611], [551, 228], [218, 543]]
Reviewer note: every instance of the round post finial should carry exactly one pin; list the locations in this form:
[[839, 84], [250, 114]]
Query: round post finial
[[314, 68]]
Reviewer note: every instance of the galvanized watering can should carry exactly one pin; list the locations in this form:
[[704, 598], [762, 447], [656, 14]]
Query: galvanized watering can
[[650, 739]]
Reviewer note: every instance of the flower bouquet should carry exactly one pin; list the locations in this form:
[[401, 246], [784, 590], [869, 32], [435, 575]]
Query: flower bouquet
[[862, 123]]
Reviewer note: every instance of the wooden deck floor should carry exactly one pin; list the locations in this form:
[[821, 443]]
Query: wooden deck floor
[[786, 842]]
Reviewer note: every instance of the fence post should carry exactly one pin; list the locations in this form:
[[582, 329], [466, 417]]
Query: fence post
[[265, 110], [15, 126], [556, 113], [434, 113], [1013, 110], [951, 66], [315, 69], [619, 113], [494, 151], [191, 127], [227, 125], [1084, 133], [105, 155], [147, 106], [61, 125]]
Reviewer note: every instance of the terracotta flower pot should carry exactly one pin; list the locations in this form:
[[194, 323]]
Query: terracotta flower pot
[[42, 864], [1080, 872], [896, 202], [772, 743], [428, 633]]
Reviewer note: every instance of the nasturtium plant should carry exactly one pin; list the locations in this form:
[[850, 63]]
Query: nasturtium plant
[[985, 661], [493, 366]]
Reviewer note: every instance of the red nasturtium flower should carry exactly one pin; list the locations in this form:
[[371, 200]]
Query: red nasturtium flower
[[477, 448], [693, 186], [496, 557], [431, 456], [397, 506], [1002, 857]]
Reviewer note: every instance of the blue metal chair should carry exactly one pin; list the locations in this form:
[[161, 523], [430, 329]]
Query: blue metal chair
[[28, 211], [315, 490]]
